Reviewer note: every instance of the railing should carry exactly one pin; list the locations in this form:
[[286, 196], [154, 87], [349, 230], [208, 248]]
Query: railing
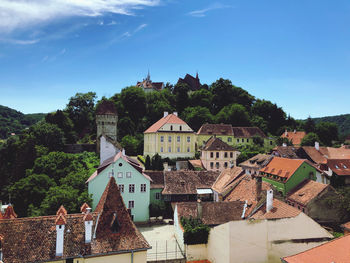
[[165, 250]]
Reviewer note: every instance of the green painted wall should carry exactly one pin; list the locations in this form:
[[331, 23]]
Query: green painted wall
[[141, 199], [302, 173], [153, 199]]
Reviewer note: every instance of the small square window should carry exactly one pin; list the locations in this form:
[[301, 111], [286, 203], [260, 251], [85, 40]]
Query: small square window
[[128, 174], [131, 204], [121, 188], [178, 149], [170, 149], [161, 138], [169, 139], [188, 139], [161, 149], [211, 155], [131, 188], [211, 165], [143, 188], [225, 154], [157, 196], [120, 175], [217, 154], [188, 149], [178, 138], [217, 165], [231, 155], [229, 139], [237, 140]]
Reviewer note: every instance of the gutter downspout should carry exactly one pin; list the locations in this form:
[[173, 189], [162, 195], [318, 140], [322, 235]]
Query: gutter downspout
[[244, 209], [132, 256]]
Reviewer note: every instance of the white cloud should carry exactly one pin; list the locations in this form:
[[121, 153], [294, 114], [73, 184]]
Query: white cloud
[[19, 41], [203, 12], [126, 34], [112, 23], [140, 27], [16, 14]]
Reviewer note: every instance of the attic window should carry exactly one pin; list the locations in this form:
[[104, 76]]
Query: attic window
[[115, 224], [345, 167], [336, 166], [171, 127]]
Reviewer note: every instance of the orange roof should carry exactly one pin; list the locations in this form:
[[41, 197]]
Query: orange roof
[[307, 191], [282, 167], [170, 118], [336, 250], [339, 166], [294, 137], [280, 210], [346, 225], [196, 163], [226, 177]]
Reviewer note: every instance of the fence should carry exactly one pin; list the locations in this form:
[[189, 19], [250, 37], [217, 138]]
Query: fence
[[164, 250]]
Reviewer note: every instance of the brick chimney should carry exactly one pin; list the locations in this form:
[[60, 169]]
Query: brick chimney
[[60, 222], [258, 187], [269, 200]]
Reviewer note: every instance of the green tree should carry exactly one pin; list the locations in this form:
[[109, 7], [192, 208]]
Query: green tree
[[62, 120], [196, 116], [310, 139], [148, 165], [327, 132], [134, 102], [283, 140], [202, 97], [309, 125], [181, 91], [234, 114], [131, 145]]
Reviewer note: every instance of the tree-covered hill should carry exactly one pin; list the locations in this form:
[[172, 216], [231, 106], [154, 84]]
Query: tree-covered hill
[[343, 122], [13, 121]]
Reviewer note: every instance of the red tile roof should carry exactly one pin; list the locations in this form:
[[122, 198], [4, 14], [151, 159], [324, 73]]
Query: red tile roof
[[9, 213], [217, 129], [306, 191], [247, 132], [294, 137], [34, 239], [226, 178], [170, 119], [213, 213], [196, 163], [157, 178], [336, 250], [216, 144], [280, 210], [282, 167], [257, 161], [290, 152], [324, 153], [339, 167]]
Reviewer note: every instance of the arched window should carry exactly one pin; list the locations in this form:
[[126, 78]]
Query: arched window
[[171, 127], [180, 128]]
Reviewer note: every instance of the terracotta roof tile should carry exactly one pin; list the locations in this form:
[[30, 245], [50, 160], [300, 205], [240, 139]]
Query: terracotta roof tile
[[157, 178], [247, 132], [84, 207], [336, 250], [257, 161], [9, 213], [187, 182], [339, 166], [216, 144], [283, 167], [286, 152], [213, 213], [324, 153], [170, 118], [294, 137], [196, 163], [306, 191], [217, 129], [227, 177], [279, 210]]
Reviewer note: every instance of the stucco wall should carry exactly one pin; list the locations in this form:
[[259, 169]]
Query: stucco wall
[[107, 150], [207, 159], [196, 252], [138, 257], [218, 244], [141, 199]]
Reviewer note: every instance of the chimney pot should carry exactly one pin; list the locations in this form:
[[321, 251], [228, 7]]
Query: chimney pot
[[295, 131], [317, 146], [285, 132], [165, 114], [175, 113]]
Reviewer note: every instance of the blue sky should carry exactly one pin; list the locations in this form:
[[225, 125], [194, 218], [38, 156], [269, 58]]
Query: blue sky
[[294, 53]]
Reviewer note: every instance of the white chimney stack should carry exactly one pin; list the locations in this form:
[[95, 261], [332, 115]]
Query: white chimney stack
[[123, 152], [175, 113], [59, 235], [269, 200], [165, 114], [317, 146], [295, 131], [199, 209], [284, 144], [88, 225], [285, 132], [166, 167]]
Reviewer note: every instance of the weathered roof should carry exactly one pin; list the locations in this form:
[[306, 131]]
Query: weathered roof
[[196, 163], [306, 191], [227, 177], [257, 161], [187, 182], [339, 166], [34, 239], [324, 153], [106, 107], [295, 137], [134, 163], [216, 144], [279, 210], [191, 81], [217, 129], [286, 152], [282, 167], [336, 250], [170, 118], [157, 178], [213, 213], [247, 132]]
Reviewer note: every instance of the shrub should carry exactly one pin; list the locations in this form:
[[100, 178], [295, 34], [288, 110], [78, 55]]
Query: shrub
[[195, 231]]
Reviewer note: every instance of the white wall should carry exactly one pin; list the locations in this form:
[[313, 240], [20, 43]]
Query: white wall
[[107, 150]]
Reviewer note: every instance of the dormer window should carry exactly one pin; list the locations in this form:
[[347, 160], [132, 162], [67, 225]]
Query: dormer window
[[115, 224], [336, 166], [345, 167]]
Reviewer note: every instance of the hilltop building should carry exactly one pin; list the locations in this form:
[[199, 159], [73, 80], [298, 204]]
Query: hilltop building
[[148, 86], [169, 137], [193, 82]]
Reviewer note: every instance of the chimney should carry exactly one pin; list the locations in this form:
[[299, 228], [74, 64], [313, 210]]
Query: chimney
[[258, 186], [284, 144], [123, 152], [166, 167], [295, 131], [317, 146], [199, 209], [285, 132], [175, 113], [269, 200], [165, 114], [88, 225], [232, 164], [60, 224]]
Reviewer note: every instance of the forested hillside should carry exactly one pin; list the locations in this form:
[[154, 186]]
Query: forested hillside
[[343, 122], [12, 121]]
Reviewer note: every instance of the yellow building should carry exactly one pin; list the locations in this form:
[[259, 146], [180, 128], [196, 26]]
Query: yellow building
[[105, 235], [169, 137]]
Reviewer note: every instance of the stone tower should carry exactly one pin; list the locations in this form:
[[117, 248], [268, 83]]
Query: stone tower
[[106, 121]]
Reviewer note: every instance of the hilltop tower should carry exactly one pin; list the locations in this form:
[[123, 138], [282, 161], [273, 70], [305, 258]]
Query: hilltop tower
[[106, 121]]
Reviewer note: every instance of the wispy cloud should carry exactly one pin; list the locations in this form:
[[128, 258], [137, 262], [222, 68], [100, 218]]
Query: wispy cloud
[[127, 34], [140, 27], [112, 23], [18, 14], [19, 41], [52, 58], [203, 12]]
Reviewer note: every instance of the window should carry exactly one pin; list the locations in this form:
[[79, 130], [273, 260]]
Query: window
[[120, 175], [131, 188], [131, 204], [171, 127], [211, 165], [225, 164], [247, 140], [217, 154], [188, 139], [270, 142], [161, 149], [121, 188], [211, 155], [225, 155], [178, 138], [128, 174], [69, 260], [169, 139], [120, 164], [161, 138], [188, 149], [180, 128], [178, 149], [143, 188], [231, 155], [217, 165], [169, 149], [229, 139], [157, 196], [237, 140], [242, 140]]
